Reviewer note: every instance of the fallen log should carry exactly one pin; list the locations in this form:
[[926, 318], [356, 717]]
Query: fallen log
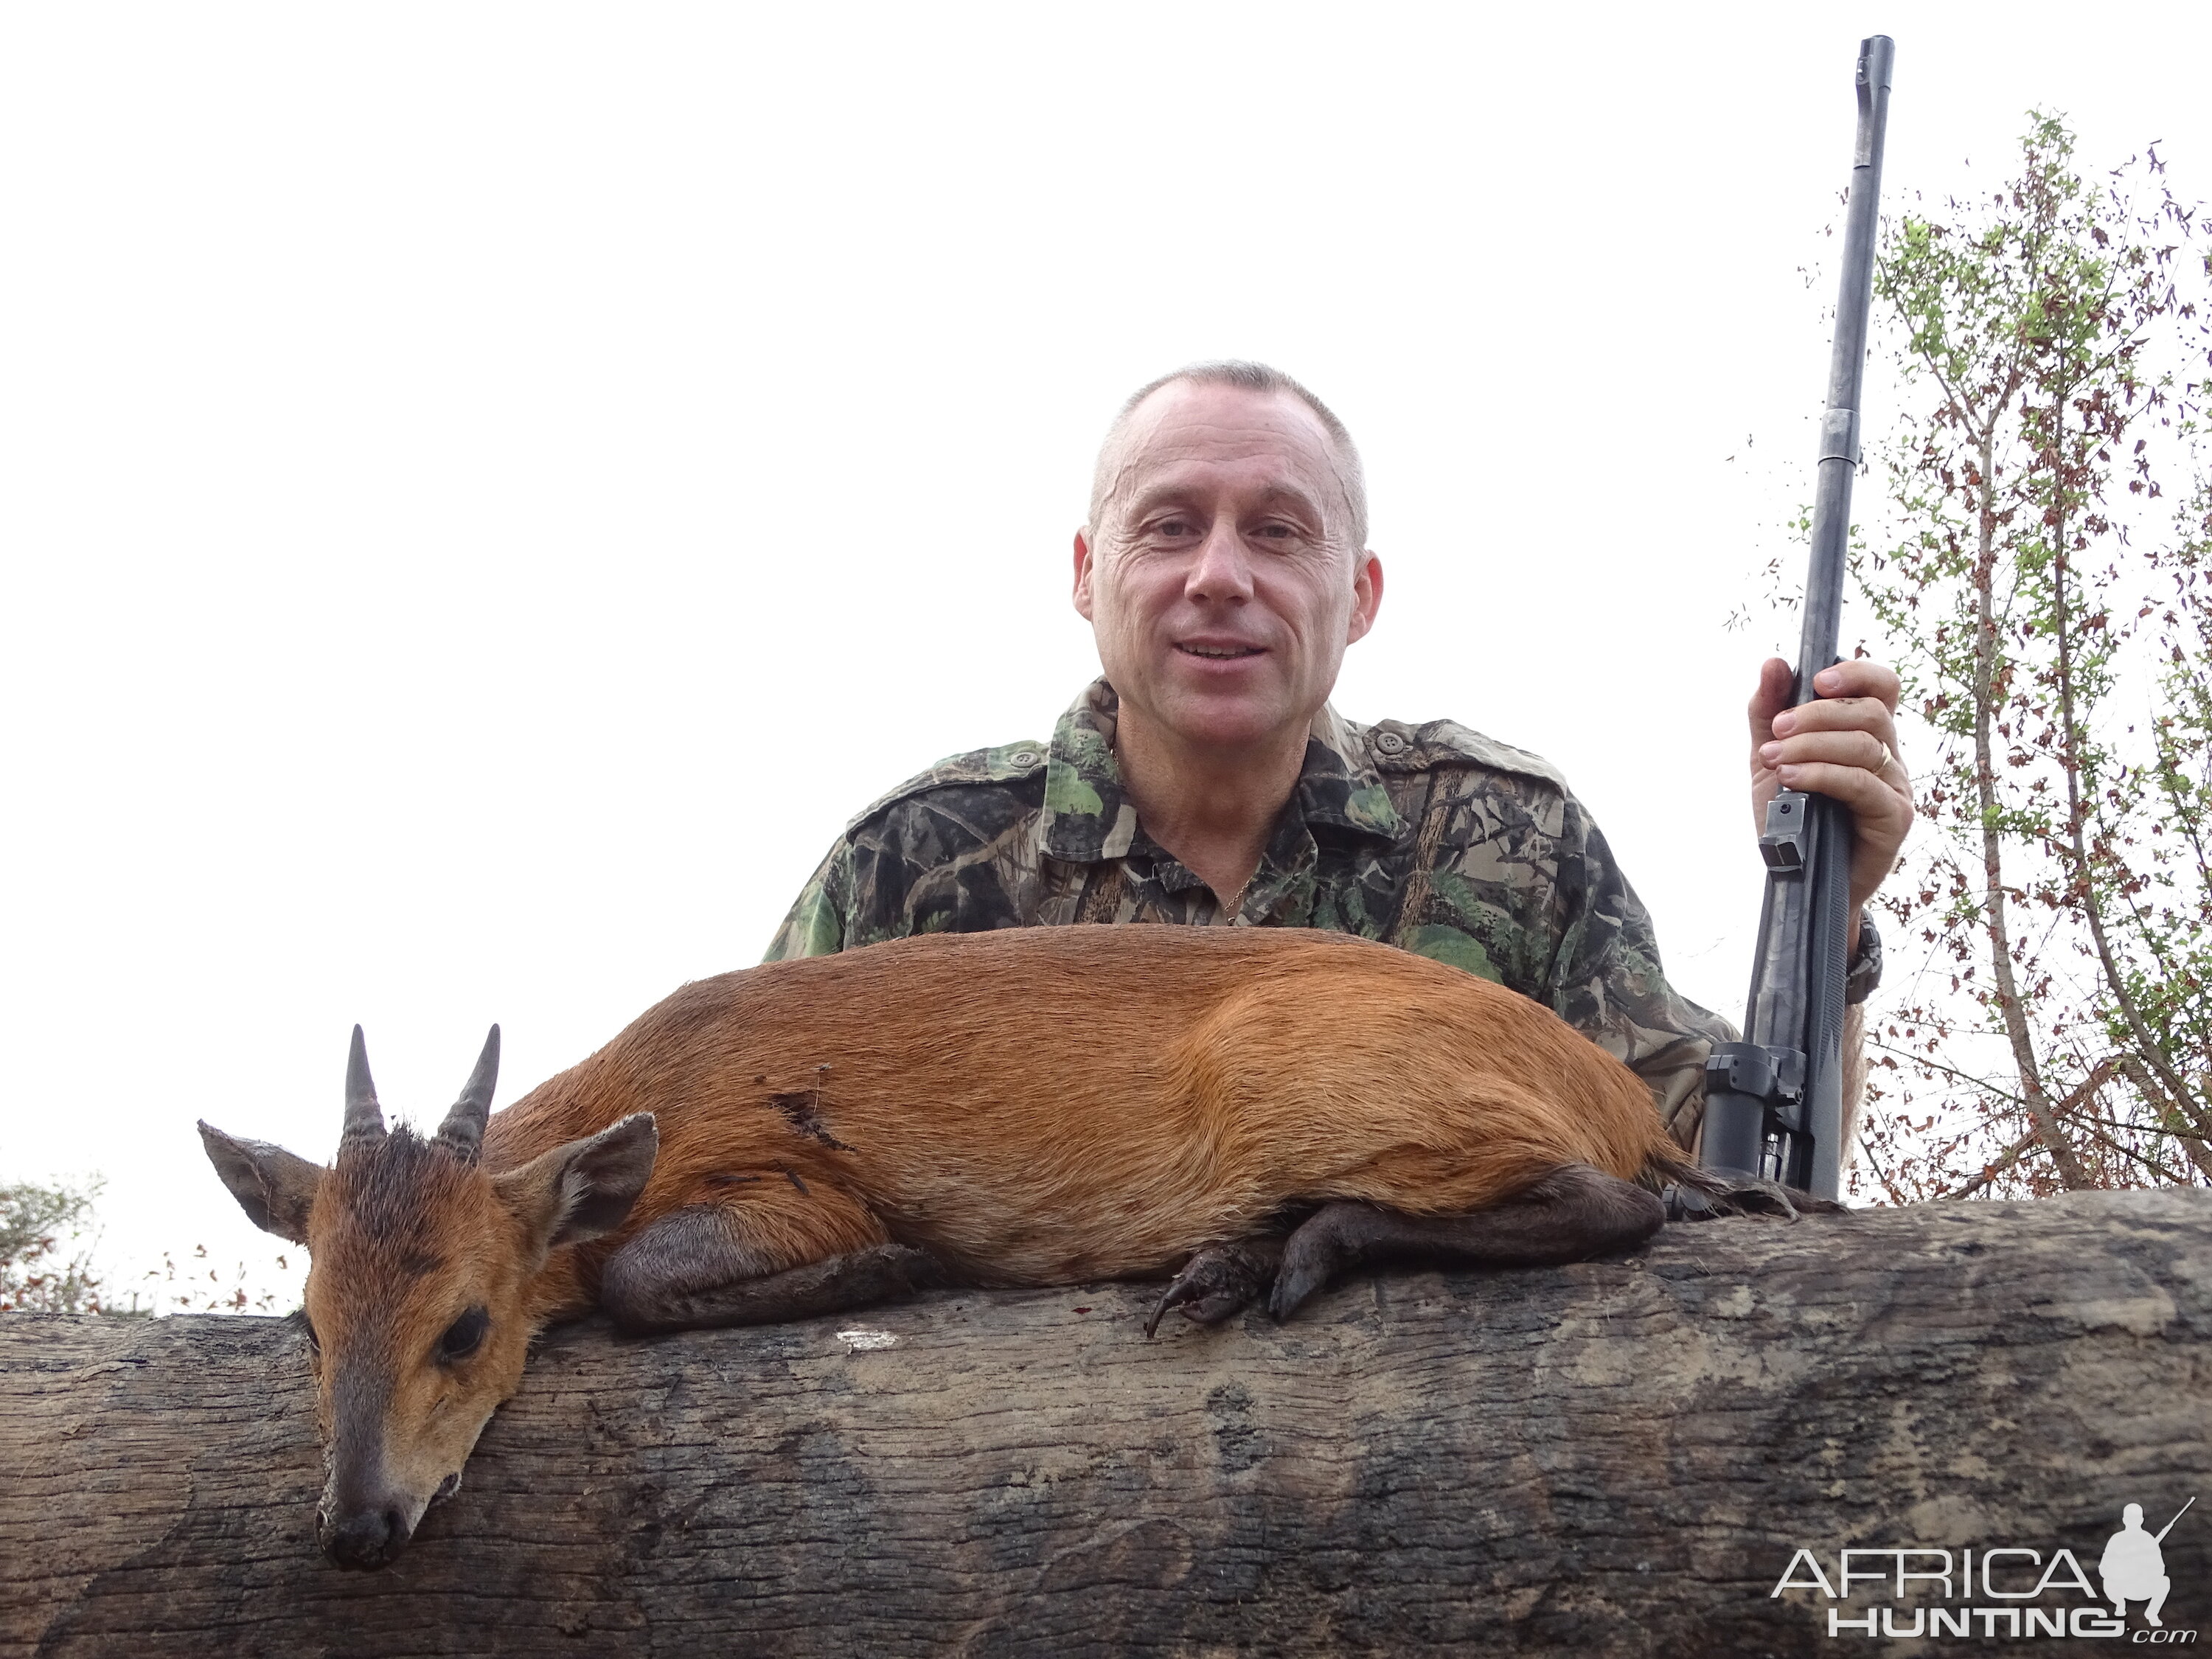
[[1621, 1456]]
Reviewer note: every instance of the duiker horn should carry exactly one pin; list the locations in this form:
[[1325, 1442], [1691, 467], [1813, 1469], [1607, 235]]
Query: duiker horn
[[364, 1118], [462, 1132]]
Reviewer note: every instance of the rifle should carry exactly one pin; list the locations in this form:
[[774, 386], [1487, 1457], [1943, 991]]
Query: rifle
[[2168, 1527], [1774, 1101]]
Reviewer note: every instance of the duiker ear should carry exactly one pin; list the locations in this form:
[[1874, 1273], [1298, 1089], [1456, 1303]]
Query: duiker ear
[[275, 1187], [579, 1191]]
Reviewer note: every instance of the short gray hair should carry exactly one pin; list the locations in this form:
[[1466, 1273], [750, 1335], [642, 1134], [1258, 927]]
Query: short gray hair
[[1250, 377]]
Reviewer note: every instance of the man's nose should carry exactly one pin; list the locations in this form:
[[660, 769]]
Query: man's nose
[[1223, 569]]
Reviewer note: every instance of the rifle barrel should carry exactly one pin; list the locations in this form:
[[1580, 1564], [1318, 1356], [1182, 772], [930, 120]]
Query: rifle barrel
[[1774, 1101], [2178, 1514], [1839, 420]]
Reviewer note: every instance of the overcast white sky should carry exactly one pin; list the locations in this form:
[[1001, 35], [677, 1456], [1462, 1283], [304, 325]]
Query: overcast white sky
[[486, 492]]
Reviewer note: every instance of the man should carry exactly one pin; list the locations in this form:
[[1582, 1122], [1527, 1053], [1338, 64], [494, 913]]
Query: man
[[2133, 1567], [1205, 780]]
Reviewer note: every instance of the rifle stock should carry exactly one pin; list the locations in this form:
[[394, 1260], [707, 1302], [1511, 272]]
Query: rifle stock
[[1774, 1101]]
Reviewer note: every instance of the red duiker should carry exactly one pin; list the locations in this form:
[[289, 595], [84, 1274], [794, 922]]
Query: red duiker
[[1247, 1109]]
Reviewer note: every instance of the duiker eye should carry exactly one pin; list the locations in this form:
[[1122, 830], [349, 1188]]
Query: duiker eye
[[464, 1336]]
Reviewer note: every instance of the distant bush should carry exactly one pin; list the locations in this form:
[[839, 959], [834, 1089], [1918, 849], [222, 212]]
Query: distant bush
[[200, 1286], [44, 1260]]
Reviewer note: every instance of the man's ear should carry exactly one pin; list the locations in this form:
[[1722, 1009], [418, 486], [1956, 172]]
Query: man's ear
[[1083, 573], [585, 1188], [1366, 597], [275, 1187]]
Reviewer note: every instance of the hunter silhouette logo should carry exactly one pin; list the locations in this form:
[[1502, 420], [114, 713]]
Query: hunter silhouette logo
[[1997, 1591], [2134, 1567]]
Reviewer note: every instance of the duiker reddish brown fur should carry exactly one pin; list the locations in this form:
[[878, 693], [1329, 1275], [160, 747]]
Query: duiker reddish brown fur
[[1253, 1107]]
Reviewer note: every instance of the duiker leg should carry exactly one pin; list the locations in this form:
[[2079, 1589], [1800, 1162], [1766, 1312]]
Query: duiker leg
[[1571, 1214], [758, 1260], [1220, 1280]]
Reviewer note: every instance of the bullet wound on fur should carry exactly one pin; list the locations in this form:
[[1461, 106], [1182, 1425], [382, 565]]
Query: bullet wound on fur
[[802, 1109]]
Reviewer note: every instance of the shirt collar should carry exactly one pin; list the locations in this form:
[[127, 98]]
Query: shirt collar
[[1339, 787], [1088, 817]]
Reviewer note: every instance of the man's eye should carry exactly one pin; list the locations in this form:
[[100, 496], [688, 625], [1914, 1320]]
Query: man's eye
[[1173, 527], [464, 1336]]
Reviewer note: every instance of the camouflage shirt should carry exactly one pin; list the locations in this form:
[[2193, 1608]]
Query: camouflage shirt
[[1432, 838]]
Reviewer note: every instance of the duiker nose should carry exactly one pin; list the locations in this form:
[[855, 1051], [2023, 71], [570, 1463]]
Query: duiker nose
[[368, 1538]]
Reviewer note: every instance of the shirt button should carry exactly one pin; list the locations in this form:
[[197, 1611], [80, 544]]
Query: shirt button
[[1022, 757], [1390, 742]]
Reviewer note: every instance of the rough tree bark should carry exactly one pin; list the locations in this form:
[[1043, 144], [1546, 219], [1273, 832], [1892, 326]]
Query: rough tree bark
[[1619, 1457]]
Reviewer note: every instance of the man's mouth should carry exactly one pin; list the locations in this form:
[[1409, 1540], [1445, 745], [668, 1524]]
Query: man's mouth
[[1220, 653]]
